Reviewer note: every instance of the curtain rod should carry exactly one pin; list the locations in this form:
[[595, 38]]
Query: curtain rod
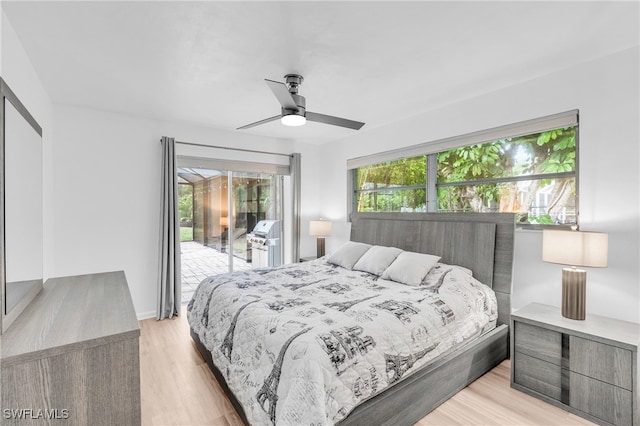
[[233, 149]]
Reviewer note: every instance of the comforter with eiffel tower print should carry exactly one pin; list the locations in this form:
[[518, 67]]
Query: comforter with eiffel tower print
[[304, 344]]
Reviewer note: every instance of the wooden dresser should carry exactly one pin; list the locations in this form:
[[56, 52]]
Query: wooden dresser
[[72, 356], [587, 367]]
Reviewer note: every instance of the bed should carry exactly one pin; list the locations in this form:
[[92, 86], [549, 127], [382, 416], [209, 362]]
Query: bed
[[301, 346]]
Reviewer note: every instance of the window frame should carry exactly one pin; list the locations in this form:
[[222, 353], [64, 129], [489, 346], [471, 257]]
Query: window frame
[[432, 149]]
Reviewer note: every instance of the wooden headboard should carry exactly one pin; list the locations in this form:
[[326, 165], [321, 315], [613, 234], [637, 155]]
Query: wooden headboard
[[482, 242]]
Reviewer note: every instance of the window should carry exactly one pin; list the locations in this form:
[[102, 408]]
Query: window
[[394, 186], [533, 175]]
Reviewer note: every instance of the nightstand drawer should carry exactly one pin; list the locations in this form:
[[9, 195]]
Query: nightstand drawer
[[538, 342], [538, 375], [602, 400], [601, 361]]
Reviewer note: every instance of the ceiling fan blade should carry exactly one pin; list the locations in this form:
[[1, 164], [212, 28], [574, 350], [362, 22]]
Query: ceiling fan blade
[[336, 121], [257, 123], [282, 93]]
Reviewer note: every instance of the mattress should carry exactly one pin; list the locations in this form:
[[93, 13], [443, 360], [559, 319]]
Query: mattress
[[306, 343]]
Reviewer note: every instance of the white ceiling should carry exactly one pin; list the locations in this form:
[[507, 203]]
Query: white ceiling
[[377, 62]]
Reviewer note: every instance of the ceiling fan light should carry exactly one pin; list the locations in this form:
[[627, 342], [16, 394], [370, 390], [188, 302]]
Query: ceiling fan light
[[293, 120]]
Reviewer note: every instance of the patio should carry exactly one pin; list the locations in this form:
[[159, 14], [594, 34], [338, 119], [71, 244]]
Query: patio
[[199, 262]]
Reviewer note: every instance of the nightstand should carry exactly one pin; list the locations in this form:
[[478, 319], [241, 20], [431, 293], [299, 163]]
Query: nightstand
[[308, 258], [589, 367]]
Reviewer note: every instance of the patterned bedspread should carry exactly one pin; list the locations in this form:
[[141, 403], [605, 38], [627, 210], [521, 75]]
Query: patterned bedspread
[[303, 344]]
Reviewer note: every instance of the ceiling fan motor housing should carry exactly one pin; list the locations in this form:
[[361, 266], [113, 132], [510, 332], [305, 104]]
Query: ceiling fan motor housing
[[293, 81]]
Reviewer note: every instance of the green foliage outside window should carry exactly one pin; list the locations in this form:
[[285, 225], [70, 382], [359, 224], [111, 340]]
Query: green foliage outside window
[[185, 209], [381, 186], [185, 202], [410, 200], [533, 175], [536, 155]]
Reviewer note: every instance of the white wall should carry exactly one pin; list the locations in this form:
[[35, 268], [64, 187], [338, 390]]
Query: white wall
[[18, 72], [606, 91], [106, 182]]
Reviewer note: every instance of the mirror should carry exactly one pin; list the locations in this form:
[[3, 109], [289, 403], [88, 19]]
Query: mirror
[[22, 250]]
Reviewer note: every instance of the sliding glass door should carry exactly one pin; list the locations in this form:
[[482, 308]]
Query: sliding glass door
[[255, 197], [218, 208]]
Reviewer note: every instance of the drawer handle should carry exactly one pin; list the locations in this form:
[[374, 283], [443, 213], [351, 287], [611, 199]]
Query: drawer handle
[[565, 378]]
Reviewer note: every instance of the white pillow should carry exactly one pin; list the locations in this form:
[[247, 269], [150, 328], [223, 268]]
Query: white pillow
[[348, 254], [410, 268], [377, 259]]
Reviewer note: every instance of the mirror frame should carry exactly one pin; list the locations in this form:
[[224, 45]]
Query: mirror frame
[[7, 95]]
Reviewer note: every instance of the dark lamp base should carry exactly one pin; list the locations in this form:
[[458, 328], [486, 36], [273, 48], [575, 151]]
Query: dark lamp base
[[320, 247], [574, 293]]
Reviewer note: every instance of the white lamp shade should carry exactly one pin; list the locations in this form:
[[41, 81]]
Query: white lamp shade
[[575, 248], [320, 228]]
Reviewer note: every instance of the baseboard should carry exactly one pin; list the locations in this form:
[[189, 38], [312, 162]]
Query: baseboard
[[145, 315]]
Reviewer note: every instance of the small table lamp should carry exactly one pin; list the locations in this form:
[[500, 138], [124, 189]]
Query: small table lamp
[[320, 228], [575, 248], [224, 221]]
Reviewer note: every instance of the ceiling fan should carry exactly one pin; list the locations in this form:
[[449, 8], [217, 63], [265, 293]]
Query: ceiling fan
[[294, 112]]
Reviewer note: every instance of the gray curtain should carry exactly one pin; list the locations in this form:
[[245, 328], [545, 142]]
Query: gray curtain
[[169, 290], [295, 168]]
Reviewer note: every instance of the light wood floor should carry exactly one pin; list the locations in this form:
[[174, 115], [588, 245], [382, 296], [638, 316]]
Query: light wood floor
[[178, 389]]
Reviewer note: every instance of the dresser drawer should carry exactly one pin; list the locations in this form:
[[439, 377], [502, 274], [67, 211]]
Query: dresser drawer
[[540, 376], [540, 343], [602, 400], [601, 361]]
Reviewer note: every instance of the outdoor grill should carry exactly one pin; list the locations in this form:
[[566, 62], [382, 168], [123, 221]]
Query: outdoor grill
[[265, 244]]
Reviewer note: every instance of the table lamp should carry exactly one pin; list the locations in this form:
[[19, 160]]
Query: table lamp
[[320, 229], [575, 248]]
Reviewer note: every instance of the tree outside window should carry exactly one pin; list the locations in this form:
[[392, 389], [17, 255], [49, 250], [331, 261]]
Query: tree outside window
[[532, 175], [394, 186]]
